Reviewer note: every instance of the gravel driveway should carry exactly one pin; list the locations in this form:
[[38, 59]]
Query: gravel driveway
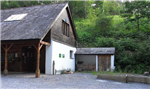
[[76, 81]]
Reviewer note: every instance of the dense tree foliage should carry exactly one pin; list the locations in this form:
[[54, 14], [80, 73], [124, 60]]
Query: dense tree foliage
[[134, 11], [125, 26], [113, 28]]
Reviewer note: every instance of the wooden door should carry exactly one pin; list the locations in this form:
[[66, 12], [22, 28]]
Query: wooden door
[[104, 62], [28, 58]]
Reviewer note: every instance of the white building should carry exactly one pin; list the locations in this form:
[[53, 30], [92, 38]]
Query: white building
[[38, 38], [126, 0]]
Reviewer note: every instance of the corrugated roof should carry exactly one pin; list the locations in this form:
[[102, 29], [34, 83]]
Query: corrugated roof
[[32, 26], [95, 50]]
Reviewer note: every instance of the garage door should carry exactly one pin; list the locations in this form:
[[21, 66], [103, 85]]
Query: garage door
[[104, 62]]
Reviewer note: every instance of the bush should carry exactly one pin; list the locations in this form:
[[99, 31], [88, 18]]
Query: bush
[[3, 5], [63, 71], [14, 4]]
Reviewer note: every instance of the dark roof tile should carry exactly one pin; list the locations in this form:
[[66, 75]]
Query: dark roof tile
[[95, 50]]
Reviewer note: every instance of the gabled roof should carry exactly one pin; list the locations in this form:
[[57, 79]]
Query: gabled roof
[[35, 25], [95, 51]]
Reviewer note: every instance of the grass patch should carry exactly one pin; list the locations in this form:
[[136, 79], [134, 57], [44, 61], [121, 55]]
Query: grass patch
[[102, 72], [92, 72]]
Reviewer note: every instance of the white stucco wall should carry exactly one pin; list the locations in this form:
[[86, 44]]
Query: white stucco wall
[[52, 54], [48, 59], [96, 62], [112, 62]]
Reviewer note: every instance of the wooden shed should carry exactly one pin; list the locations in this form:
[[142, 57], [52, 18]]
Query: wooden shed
[[95, 59]]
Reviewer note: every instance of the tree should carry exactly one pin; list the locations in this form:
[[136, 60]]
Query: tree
[[111, 8], [136, 10], [103, 24], [4, 4]]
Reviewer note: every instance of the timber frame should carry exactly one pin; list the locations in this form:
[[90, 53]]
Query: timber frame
[[38, 48], [36, 44], [6, 48]]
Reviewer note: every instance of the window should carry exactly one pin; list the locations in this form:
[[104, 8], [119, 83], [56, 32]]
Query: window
[[11, 56], [65, 28], [15, 17], [59, 55], [71, 54]]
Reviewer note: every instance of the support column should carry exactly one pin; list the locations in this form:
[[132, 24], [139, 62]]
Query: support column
[[38, 62], [6, 61], [38, 48], [6, 48], [97, 63]]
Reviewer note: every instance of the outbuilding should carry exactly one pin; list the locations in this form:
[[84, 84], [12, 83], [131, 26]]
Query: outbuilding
[[95, 59]]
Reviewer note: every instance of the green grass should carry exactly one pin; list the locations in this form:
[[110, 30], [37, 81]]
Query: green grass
[[102, 72]]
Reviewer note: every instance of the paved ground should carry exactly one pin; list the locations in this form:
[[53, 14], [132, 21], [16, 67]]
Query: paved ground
[[76, 81]]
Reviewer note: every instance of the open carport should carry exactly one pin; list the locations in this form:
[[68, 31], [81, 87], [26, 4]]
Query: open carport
[[95, 59]]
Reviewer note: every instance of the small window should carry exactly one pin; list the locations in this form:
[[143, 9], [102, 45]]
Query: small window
[[59, 55], [11, 56], [16, 17], [65, 28], [71, 54]]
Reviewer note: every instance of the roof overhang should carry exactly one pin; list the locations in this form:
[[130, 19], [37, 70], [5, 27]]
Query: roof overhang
[[95, 51]]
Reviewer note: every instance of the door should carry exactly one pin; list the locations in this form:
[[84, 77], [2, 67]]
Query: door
[[104, 62], [28, 58]]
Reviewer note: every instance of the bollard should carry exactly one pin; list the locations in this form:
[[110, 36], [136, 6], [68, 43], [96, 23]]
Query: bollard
[[126, 78]]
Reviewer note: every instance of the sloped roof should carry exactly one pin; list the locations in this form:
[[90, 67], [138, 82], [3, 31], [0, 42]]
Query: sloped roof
[[32, 26], [95, 51]]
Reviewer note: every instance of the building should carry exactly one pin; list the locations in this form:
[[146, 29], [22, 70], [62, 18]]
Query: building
[[126, 0], [95, 59], [38, 38]]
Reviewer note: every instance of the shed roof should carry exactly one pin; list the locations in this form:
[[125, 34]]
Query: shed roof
[[95, 50], [33, 26]]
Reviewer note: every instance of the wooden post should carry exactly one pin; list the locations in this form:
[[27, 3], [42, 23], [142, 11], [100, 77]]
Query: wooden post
[[38, 48], [6, 61], [38, 62], [6, 58]]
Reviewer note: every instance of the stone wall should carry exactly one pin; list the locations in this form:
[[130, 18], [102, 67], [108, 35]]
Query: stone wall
[[82, 67]]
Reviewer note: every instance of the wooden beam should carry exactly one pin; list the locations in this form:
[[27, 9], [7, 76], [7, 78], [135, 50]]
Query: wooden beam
[[21, 42], [34, 46], [6, 58], [6, 61], [3, 47], [45, 43], [27, 45], [38, 62], [41, 46], [9, 47]]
